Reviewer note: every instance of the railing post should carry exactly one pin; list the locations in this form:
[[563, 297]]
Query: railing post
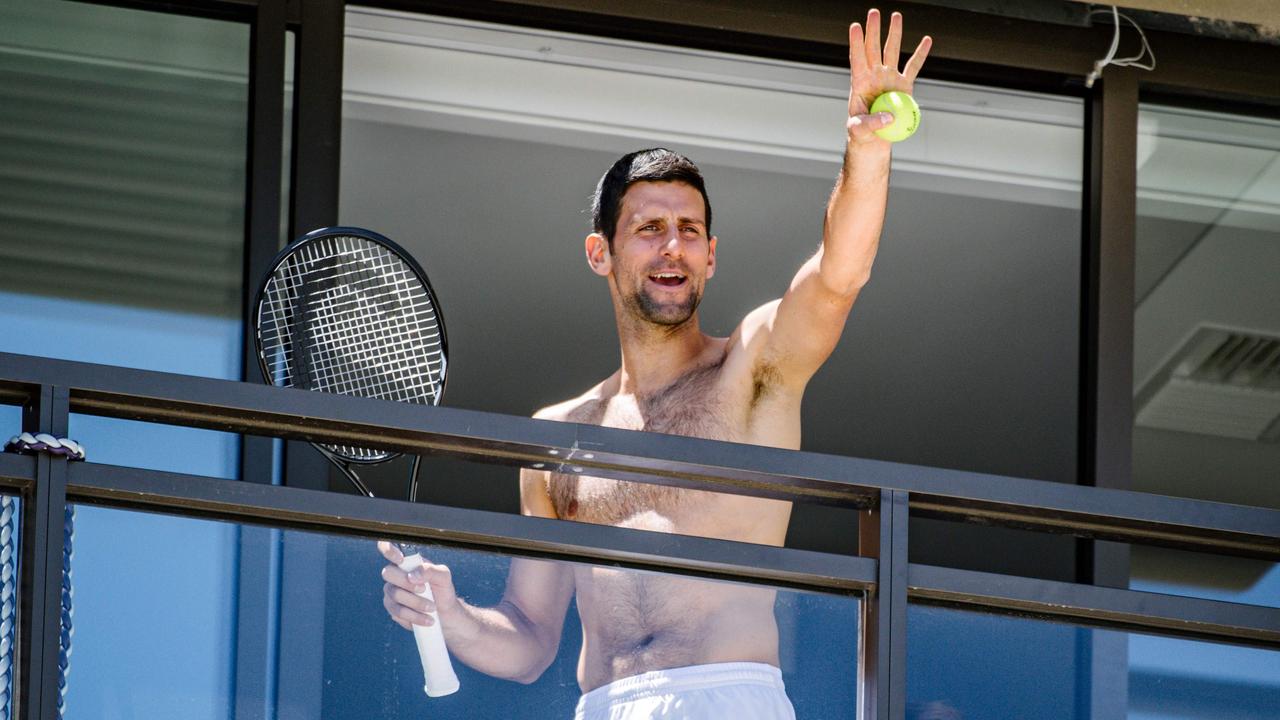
[[882, 666], [43, 514]]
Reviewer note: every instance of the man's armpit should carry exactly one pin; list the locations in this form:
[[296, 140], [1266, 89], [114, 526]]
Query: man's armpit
[[765, 379]]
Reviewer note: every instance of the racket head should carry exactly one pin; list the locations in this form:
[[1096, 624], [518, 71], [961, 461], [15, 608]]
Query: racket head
[[365, 316]]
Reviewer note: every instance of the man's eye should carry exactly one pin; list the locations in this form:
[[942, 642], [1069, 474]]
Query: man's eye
[[691, 229], [648, 228]]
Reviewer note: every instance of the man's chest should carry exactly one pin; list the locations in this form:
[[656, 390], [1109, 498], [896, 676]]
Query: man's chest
[[700, 404], [703, 403]]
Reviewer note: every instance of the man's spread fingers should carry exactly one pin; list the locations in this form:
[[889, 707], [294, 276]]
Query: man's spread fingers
[[893, 43], [857, 50], [873, 38], [917, 58]]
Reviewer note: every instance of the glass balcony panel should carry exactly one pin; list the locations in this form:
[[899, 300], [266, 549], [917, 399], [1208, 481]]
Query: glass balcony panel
[[151, 446], [976, 666], [1214, 577], [1207, 332], [291, 624]]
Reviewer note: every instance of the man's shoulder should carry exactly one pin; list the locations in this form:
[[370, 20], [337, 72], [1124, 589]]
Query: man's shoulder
[[573, 410]]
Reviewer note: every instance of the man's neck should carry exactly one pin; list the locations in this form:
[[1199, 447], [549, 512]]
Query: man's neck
[[654, 356]]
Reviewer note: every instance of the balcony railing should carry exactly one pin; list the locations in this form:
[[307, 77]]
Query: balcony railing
[[885, 493]]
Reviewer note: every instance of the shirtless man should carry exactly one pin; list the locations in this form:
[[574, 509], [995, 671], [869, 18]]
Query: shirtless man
[[712, 645]]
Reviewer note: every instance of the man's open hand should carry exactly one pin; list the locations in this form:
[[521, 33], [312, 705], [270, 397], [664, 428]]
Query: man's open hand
[[873, 72]]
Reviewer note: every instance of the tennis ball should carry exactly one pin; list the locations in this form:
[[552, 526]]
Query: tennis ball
[[906, 115]]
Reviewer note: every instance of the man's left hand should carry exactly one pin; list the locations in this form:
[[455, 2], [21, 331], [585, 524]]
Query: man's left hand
[[874, 72]]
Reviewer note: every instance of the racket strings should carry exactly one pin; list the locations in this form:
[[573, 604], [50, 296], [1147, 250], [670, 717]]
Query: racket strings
[[352, 352], [349, 316], [357, 340]]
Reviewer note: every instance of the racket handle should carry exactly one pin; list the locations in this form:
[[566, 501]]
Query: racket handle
[[436, 667]]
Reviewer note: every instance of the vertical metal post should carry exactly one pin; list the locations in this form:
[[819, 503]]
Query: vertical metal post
[[317, 135], [1106, 404], [262, 195], [317, 117], [258, 575], [1106, 393], [43, 513], [882, 666]]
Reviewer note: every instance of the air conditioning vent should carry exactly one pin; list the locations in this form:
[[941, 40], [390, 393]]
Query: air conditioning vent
[[1220, 382]]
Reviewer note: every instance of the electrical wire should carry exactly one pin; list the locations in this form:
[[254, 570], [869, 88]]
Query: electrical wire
[[1135, 61]]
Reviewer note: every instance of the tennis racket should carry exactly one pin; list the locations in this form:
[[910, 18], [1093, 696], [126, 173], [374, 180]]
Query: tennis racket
[[345, 310]]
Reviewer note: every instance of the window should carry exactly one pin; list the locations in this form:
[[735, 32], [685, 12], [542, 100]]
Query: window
[[1207, 332]]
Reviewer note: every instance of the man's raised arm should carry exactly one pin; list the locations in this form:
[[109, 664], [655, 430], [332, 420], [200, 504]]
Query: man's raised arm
[[797, 333]]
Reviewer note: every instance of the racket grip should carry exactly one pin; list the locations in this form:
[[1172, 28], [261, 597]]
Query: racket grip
[[436, 666]]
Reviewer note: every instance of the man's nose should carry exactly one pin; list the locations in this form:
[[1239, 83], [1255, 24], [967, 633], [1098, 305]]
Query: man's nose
[[671, 247]]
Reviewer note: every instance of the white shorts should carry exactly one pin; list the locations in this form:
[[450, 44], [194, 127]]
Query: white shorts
[[738, 690]]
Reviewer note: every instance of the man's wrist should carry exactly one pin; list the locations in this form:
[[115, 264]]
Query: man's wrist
[[870, 149], [459, 623], [866, 161]]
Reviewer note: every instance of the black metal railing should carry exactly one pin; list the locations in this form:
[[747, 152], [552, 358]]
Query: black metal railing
[[884, 493]]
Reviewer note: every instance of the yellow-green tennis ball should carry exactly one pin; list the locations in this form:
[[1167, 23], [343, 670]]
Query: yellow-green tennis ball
[[906, 115]]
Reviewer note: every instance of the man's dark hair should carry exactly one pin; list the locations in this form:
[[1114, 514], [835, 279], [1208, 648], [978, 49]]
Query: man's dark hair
[[652, 165]]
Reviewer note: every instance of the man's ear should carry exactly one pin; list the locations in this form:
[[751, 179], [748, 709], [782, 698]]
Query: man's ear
[[598, 256], [711, 256]]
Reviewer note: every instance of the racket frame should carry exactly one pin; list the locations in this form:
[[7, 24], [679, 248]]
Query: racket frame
[[339, 460]]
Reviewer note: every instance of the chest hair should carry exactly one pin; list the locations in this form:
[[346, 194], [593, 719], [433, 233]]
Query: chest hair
[[695, 405]]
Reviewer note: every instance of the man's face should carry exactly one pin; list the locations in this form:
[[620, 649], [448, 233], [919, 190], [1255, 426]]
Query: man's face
[[662, 255]]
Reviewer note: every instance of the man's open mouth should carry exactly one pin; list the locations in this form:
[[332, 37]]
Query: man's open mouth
[[668, 279]]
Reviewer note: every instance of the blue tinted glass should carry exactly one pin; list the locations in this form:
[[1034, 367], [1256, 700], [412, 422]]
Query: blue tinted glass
[[154, 616], [332, 651], [111, 334], [157, 447], [10, 421], [977, 666], [121, 242], [1177, 572]]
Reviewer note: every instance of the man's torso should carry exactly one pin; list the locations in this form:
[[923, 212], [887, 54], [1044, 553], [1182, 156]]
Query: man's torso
[[633, 621]]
